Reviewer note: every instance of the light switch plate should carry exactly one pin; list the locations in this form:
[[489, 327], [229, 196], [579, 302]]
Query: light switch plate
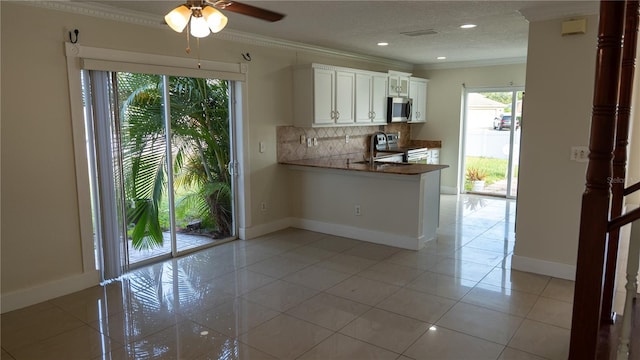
[[261, 146], [579, 153]]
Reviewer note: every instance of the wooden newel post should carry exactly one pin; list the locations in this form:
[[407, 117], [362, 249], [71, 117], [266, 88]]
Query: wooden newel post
[[620, 154], [595, 200]]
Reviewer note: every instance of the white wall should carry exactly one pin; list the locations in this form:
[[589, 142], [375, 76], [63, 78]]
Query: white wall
[[558, 111], [42, 254], [445, 106]]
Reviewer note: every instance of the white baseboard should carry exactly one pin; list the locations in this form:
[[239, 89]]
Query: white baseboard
[[263, 229], [543, 267], [449, 190], [351, 232], [36, 294]]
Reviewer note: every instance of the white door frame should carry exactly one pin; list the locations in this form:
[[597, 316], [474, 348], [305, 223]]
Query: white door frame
[[461, 171]]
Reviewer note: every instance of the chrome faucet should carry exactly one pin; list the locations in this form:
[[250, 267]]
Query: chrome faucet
[[372, 149]]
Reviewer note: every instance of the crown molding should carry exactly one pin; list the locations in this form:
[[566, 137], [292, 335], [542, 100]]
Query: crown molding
[[470, 64], [98, 10], [156, 21], [565, 10]]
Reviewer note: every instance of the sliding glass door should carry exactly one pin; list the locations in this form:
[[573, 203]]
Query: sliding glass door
[[493, 124], [162, 150]]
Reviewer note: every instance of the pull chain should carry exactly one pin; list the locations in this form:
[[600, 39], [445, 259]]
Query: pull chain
[[198, 46], [188, 49]]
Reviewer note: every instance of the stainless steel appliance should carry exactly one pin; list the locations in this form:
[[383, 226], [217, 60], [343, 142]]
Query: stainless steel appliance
[[388, 144], [399, 109], [384, 151]]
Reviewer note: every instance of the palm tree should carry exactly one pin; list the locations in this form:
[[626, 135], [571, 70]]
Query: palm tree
[[200, 142]]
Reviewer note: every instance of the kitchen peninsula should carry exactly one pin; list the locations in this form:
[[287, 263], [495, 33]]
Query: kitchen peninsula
[[395, 204]]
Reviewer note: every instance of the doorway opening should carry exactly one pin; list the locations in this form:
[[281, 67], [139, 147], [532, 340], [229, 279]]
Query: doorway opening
[[161, 160], [491, 152]]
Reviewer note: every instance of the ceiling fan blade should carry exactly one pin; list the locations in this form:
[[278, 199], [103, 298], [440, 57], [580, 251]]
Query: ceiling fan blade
[[249, 10]]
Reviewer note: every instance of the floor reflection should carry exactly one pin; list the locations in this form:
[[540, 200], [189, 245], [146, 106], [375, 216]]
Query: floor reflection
[[298, 294]]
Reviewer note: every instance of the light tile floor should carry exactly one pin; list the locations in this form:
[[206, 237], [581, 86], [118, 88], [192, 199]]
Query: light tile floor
[[298, 294]]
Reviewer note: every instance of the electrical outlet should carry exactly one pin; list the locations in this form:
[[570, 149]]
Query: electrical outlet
[[263, 206], [303, 139], [357, 210], [346, 139], [315, 141], [308, 142]]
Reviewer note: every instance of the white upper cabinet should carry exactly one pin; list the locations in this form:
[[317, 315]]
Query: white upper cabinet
[[325, 95], [371, 98], [333, 97], [418, 92], [379, 98], [399, 83], [345, 97]]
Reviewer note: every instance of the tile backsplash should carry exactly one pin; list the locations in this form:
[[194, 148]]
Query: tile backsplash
[[331, 141]]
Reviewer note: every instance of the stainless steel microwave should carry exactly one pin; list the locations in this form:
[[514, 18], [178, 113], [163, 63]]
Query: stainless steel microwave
[[398, 109]]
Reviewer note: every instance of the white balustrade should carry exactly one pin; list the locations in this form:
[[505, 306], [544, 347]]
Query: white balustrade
[[632, 289]]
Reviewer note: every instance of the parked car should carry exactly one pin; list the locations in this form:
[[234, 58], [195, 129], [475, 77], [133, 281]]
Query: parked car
[[503, 122]]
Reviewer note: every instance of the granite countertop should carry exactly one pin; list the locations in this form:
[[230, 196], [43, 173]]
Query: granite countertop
[[359, 165]]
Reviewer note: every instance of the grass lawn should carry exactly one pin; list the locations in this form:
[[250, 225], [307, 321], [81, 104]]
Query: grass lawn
[[495, 169]]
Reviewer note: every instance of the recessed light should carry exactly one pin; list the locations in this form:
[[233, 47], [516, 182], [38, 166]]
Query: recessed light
[[441, 58], [383, 43], [468, 26]]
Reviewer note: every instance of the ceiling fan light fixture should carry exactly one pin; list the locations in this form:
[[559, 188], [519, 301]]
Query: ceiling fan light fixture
[[199, 26], [178, 18], [214, 18]]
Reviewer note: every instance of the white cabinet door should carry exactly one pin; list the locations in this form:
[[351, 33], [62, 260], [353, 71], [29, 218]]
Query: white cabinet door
[[364, 86], [344, 97], [379, 99], [418, 92], [398, 85], [371, 98], [323, 96]]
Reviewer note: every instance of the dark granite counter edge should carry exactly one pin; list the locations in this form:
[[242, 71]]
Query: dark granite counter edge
[[350, 165]]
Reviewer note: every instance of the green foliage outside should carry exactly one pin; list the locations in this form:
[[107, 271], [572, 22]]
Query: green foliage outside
[[200, 143], [502, 97], [495, 169]]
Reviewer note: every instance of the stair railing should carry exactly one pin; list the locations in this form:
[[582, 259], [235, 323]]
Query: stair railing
[[632, 289], [618, 191], [597, 251]]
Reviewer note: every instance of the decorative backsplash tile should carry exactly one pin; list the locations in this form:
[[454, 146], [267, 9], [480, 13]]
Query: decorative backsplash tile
[[331, 141]]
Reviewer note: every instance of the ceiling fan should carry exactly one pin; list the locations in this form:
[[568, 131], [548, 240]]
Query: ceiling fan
[[246, 9], [205, 16]]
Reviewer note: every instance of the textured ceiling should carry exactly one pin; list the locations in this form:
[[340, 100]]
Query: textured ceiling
[[357, 26]]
